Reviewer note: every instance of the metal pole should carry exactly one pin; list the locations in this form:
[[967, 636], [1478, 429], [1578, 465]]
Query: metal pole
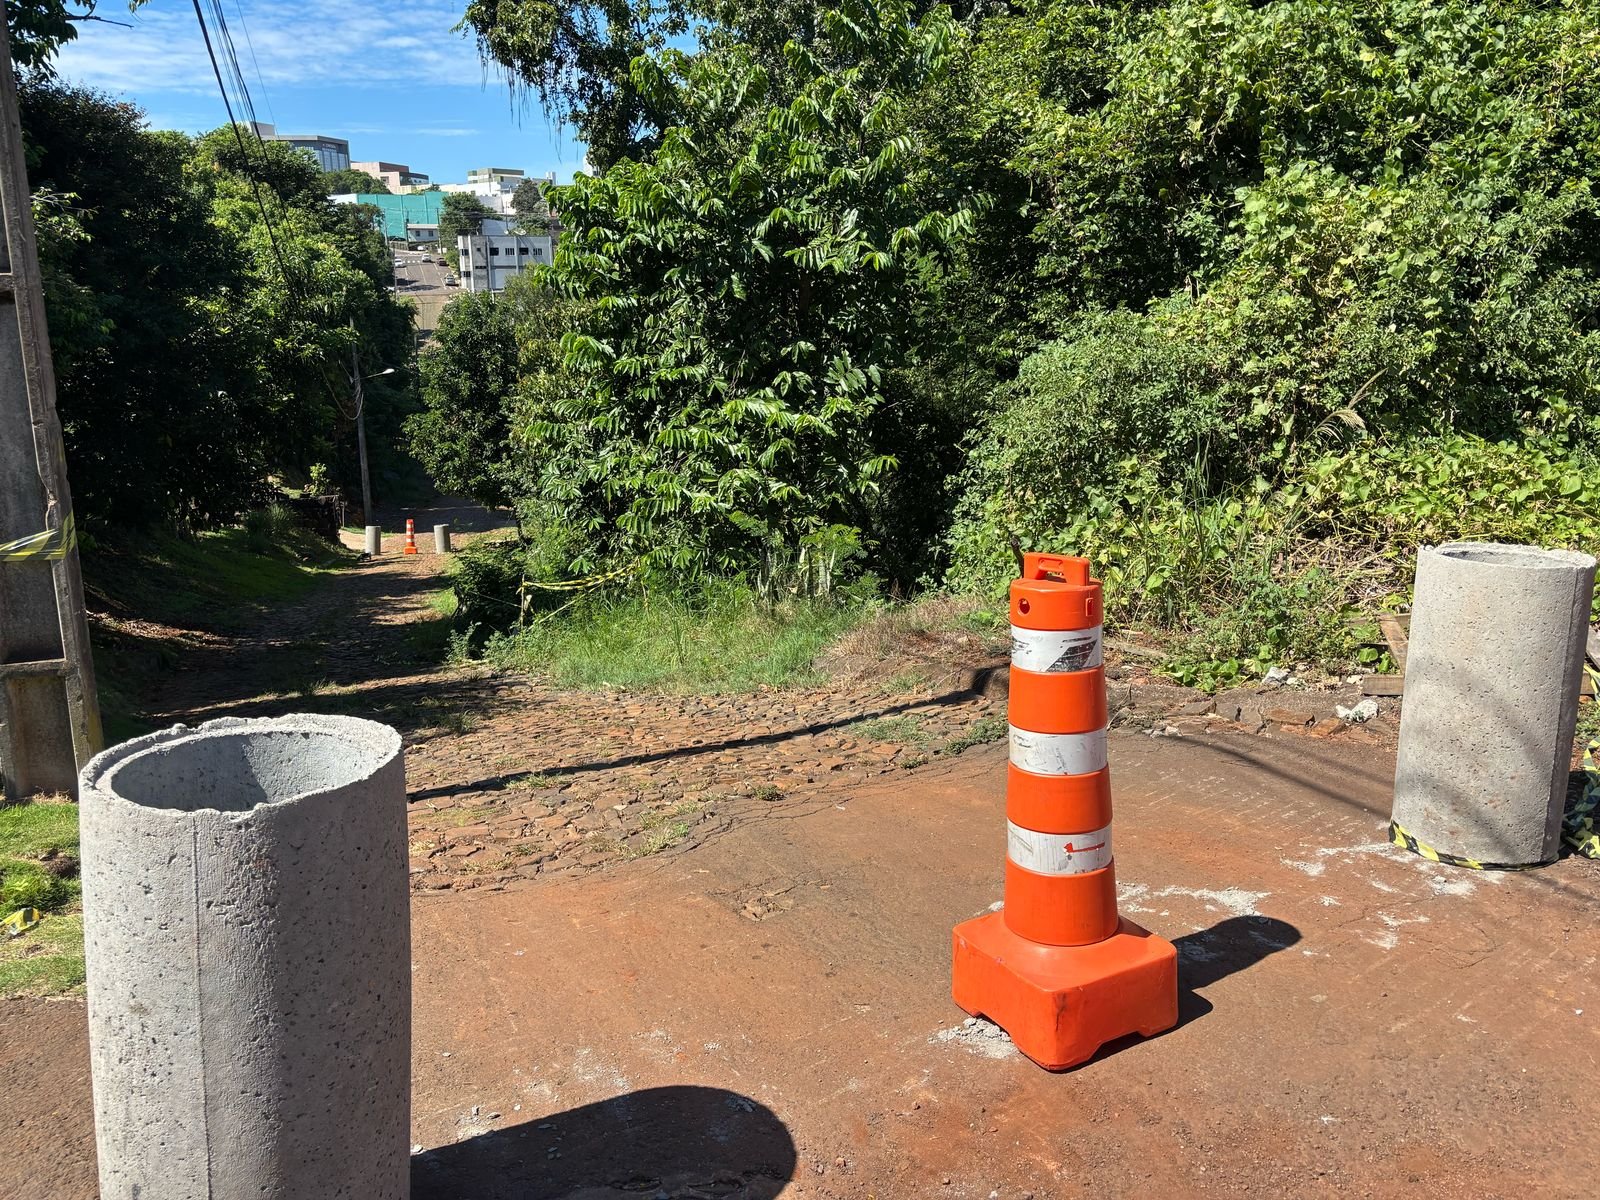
[[49, 715]]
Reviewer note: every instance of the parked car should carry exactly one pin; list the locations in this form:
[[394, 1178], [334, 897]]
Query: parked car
[[451, 281]]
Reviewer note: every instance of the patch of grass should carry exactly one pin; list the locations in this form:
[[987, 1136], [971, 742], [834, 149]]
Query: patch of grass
[[38, 869], [981, 732], [725, 641], [664, 830], [539, 782], [903, 731], [45, 961], [455, 818]]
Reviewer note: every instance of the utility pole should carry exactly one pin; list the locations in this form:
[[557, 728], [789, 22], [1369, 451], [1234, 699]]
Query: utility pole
[[361, 434], [49, 714], [357, 385]]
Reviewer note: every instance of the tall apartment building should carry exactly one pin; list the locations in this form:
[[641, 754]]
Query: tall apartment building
[[331, 153]]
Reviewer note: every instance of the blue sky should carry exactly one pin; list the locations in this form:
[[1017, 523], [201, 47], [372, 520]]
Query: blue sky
[[400, 87]]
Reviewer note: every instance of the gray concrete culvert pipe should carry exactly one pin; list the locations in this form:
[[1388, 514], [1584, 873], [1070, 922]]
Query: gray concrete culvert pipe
[[441, 539], [248, 946], [1491, 697], [374, 546]]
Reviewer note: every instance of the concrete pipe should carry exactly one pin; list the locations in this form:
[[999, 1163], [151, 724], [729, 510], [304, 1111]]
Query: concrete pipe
[[1492, 678], [441, 538], [374, 540], [247, 935]]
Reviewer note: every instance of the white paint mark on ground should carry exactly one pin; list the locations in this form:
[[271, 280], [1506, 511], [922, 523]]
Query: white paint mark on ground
[[1310, 868], [1235, 901], [1383, 941], [978, 1036], [1394, 922], [1328, 901]]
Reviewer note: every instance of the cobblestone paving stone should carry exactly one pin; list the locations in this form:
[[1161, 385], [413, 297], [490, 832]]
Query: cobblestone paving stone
[[573, 781]]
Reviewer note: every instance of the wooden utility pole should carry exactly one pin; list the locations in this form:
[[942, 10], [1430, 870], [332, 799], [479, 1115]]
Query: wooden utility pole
[[49, 716]]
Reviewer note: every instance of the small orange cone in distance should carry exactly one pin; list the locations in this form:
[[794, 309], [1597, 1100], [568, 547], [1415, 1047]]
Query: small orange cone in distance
[[1057, 968], [411, 537]]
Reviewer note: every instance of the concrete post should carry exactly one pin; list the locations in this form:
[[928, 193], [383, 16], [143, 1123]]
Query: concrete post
[[374, 541], [441, 539], [247, 935], [1492, 678]]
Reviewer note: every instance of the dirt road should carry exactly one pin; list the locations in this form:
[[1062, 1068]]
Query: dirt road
[[761, 1007]]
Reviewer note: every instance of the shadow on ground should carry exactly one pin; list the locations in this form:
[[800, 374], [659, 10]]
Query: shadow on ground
[[1207, 956], [677, 1142]]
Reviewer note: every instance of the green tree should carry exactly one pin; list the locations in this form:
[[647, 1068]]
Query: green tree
[[533, 211], [728, 388], [461, 214], [469, 376], [161, 402], [351, 180], [578, 58]]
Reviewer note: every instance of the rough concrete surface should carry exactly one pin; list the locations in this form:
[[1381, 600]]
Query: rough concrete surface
[[1492, 677], [247, 944], [1355, 1020]]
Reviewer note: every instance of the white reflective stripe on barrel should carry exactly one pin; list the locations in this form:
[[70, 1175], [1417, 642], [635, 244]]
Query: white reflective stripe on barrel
[[1049, 651], [1058, 853], [1058, 753]]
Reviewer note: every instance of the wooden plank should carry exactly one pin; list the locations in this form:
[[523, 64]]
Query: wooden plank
[[1394, 632], [1594, 646], [1383, 685], [39, 666]]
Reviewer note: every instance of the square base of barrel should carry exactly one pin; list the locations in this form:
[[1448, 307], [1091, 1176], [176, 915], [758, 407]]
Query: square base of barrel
[[1060, 1004]]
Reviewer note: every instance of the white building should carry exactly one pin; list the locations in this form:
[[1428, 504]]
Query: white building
[[495, 186], [494, 257]]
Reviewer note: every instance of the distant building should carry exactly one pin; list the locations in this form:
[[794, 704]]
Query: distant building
[[495, 257], [507, 175], [495, 186], [331, 153], [411, 217], [397, 177]]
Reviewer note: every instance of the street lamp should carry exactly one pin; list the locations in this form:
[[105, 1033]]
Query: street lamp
[[357, 379]]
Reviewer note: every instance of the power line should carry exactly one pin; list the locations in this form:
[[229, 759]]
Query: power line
[[250, 46], [255, 187]]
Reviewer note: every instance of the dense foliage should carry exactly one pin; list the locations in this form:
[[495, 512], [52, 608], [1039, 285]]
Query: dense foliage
[[351, 180], [1243, 298], [207, 306]]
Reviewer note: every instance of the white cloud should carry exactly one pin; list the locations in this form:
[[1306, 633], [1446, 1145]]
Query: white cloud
[[296, 43]]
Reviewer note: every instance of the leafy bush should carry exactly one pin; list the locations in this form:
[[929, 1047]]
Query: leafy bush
[[266, 529]]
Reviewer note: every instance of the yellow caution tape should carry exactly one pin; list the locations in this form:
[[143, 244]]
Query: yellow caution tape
[[1578, 827], [19, 922], [50, 546], [1407, 841], [579, 585]]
